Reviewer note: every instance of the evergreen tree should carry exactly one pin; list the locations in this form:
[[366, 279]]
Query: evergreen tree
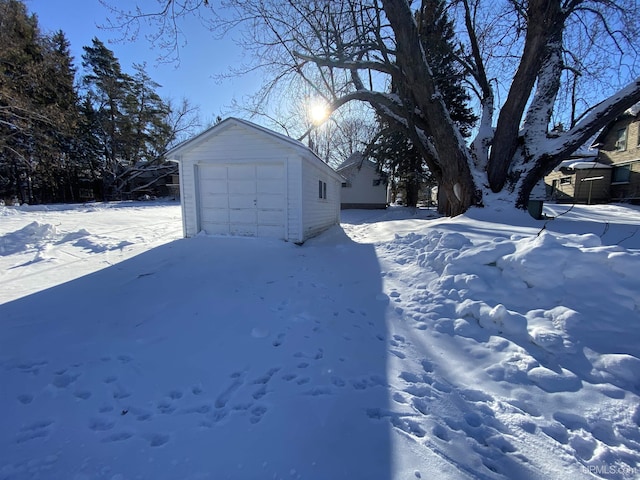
[[107, 87], [129, 120], [55, 147], [146, 134], [437, 36], [53, 143], [19, 52], [38, 109]]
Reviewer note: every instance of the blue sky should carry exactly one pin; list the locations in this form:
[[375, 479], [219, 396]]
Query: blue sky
[[201, 58]]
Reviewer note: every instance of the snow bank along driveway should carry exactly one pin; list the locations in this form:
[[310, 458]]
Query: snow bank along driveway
[[401, 345]]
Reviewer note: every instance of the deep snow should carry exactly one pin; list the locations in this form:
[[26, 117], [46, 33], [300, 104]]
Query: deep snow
[[402, 345]]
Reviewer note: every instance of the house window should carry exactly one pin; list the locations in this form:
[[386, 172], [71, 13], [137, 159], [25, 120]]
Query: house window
[[322, 189], [621, 139], [346, 184], [565, 181], [621, 174]]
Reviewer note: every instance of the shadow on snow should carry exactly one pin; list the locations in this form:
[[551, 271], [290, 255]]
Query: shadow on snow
[[242, 358]]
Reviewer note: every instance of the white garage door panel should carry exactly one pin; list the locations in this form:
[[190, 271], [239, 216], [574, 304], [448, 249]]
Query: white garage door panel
[[241, 172], [243, 187], [271, 202], [270, 186], [214, 200], [244, 200], [269, 217], [215, 215], [269, 171], [213, 186], [212, 172], [243, 216], [216, 228], [243, 230]]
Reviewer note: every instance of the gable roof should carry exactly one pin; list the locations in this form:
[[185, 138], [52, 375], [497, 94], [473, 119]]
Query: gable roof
[[214, 130], [356, 159], [631, 112]]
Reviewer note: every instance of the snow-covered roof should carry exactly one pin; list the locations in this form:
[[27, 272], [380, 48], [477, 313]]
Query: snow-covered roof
[[581, 165], [633, 110]]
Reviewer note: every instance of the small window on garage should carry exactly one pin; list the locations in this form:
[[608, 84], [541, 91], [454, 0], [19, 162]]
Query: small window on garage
[[322, 189], [346, 184], [565, 181]]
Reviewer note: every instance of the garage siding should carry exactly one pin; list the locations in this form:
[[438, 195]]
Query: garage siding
[[319, 213], [238, 178], [294, 195]]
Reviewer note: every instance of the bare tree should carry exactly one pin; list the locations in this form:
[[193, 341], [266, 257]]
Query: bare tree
[[530, 63]]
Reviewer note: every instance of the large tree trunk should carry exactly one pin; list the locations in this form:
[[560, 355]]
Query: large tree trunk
[[538, 37], [416, 81]]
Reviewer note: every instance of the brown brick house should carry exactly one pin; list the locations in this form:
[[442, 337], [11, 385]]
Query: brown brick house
[[608, 171], [619, 147]]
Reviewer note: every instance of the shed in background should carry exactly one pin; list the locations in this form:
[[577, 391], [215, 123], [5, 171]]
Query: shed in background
[[242, 179]]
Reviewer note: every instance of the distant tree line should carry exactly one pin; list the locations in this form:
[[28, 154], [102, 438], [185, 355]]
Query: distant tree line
[[101, 137]]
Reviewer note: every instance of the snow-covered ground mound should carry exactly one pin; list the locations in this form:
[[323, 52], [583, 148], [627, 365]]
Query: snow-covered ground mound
[[401, 345]]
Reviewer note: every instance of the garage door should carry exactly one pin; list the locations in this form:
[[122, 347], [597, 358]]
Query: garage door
[[246, 200]]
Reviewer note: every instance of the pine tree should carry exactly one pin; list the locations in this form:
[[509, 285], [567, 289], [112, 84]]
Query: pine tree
[[107, 87], [437, 35], [20, 112], [56, 145], [147, 134]]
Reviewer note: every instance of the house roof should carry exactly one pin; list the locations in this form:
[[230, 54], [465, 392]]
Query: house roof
[[212, 131], [632, 112], [356, 158], [581, 165]]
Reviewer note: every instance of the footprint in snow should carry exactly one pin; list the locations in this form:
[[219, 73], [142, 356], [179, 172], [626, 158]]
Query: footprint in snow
[[257, 413], [224, 397], [32, 367], [175, 394], [82, 394], [25, 398], [100, 425], [39, 429], [117, 437], [157, 439], [63, 380]]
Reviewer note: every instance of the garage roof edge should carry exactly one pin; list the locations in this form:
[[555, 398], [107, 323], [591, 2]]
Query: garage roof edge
[[174, 154]]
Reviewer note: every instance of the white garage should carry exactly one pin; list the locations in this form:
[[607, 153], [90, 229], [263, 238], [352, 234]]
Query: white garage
[[238, 178]]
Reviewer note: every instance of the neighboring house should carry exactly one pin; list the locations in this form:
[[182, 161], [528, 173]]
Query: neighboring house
[[619, 145], [238, 178], [580, 179], [147, 181], [363, 186]]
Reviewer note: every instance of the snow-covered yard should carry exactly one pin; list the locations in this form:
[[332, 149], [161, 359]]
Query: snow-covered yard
[[400, 346]]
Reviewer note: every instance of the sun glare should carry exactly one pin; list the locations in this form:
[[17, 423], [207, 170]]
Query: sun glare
[[318, 111]]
